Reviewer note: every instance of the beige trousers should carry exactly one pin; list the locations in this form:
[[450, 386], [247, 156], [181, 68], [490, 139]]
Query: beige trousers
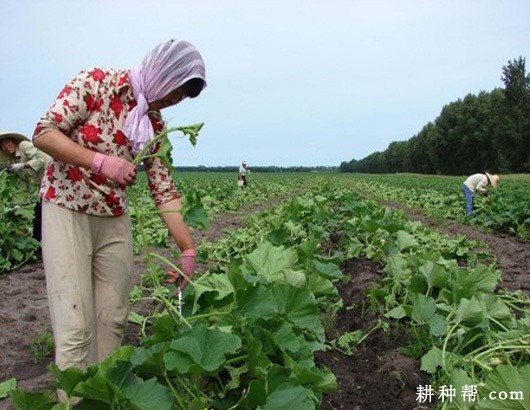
[[88, 265]]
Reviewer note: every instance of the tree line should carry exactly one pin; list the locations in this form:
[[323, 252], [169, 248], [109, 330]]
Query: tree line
[[260, 169], [489, 131]]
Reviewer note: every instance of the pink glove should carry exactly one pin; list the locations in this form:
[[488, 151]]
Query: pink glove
[[187, 265], [114, 168]]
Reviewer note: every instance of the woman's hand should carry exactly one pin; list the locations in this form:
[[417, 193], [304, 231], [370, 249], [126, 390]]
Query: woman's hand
[[19, 167], [187, 266], [114, 168]]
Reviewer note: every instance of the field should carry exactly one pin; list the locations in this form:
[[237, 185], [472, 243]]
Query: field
[[314, 290]]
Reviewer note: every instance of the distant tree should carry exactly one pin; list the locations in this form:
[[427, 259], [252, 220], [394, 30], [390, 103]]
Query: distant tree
[[517, 91], [490, 130], [346, 166]]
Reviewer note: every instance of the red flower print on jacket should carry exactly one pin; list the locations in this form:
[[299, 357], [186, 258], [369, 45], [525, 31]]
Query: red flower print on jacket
[[50, 193], [97, 74], [111, 199], [74, 174], [91, 103], [98, 179], [116, 105], [120, 138], [117, 211], [58, 118], [64, 92], [91, 133], [123, 79], [50, 173]]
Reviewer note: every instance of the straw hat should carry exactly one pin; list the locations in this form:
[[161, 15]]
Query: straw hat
[[4, 158], [494, 179]]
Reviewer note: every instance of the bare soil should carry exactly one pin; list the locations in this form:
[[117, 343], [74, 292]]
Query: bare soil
[[377, 376]]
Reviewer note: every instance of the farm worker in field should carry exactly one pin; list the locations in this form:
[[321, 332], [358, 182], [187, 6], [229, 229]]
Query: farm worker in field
[[29, 163], [478, 183], [242, 175], [240, 182], [98, 123]]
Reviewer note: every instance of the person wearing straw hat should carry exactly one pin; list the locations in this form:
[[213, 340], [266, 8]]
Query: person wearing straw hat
[[20, 156], [97, 125], [478, 183]]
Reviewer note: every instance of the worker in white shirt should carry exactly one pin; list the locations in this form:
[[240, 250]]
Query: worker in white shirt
[[478, 183], [243, 171]]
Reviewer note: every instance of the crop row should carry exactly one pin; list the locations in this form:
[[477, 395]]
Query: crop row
[[504, 210]]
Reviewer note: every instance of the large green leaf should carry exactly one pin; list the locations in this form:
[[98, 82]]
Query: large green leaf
[[216, 286], [328, 270], [435, 274], [320, 286], [494, 307], [461, 382], [514, 381], [255, 303], [299, 307], [434, 358], [397, 268], [467, 281], [96, 385], [7, 386], [254, 397], [406, 241], [437, 325], [144, 394], [470, 312], [290, 396], [397, 313], [196, 216], [284, 336], [431, 360], [423, 308], [67, 379], [270, 262], [23, 400], [296, 278], [307, 374], [258, 362], [201, 349]]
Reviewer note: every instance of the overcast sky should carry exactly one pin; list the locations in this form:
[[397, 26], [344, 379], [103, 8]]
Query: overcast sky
[[289, 82]]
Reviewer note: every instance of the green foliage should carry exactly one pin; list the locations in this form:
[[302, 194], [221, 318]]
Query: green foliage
[[42, 347], [248, 330], [504, 210], [16, 207]]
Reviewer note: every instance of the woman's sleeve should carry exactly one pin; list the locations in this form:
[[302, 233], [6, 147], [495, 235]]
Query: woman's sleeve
[[72, 105], [161, 182], [160, 178]]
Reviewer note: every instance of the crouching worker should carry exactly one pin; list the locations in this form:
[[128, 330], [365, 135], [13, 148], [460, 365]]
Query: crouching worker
[[478, 183], [93, 130], [29, 164]]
